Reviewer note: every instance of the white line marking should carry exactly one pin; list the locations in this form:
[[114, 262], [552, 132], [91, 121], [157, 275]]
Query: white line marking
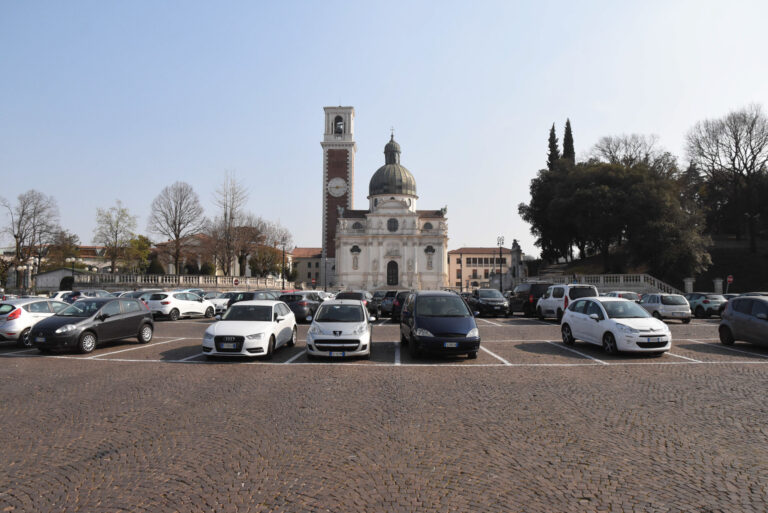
[[382, 323], [495, 355], [398, 344], [684, 357], [721, 346], [489, 322], [141, 346], [295, 357], [191, 357], [561, 346], [21, 351]]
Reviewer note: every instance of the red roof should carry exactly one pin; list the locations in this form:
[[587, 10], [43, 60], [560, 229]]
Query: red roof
[[307, 252], [480, 251]]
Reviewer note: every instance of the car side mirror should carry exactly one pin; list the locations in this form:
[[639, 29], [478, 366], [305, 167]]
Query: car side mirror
[[373, 319], [102, 317], [309, 318], [762, 316], [476, 314], [279, 318], [594, 317]]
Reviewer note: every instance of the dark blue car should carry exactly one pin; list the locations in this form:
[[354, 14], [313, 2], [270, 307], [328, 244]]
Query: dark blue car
[[439, 322]]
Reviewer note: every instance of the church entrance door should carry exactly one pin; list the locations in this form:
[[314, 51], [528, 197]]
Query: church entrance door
[[392, 273]]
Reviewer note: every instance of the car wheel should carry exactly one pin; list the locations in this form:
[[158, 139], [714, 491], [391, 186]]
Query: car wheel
[[686, 321], [24, 339], [145, 334], [699, 313], [609, 344], [209, 313], [726, 337], [540, 314], [87, 342], [292, 342], [174, 315], [657, 315], [472, 355], [270, 347], [559, 316], [568, 339]]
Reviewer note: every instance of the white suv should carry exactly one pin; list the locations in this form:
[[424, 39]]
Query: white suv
[[175, 305], [557, 298]]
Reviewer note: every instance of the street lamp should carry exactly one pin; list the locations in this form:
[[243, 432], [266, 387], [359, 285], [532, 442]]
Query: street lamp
[[72, 260], [23, 269], [283, 241], [500, 243]]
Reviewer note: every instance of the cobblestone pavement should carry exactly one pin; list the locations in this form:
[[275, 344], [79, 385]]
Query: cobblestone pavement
[[527, 426]]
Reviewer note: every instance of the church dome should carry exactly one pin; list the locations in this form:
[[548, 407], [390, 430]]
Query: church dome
[[392, 178]]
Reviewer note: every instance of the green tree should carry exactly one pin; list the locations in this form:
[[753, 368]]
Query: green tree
[[569, 153], [554, 152], [137, 254], [155, 267]]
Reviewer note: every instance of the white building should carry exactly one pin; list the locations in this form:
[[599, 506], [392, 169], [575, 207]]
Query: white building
[[392, 245]]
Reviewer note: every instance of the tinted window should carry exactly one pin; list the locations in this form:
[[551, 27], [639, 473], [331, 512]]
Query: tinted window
[[112, 308], [673, 300], [441, 306], [759, 307], [349, 295], [592, 308], [558, 292], [577, 292], [490, 294], [181, 297], [130, 306], [742, 305], [82, 308], [39, 307], [157, 297], [340, 313], [58, 306], [290, 298], [248, 313], [578, 306]]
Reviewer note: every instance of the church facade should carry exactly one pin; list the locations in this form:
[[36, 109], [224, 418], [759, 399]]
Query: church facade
[[390, 245]]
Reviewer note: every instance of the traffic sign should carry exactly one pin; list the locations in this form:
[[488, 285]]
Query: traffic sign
[[236, 282], [730, 279], [314, 281]]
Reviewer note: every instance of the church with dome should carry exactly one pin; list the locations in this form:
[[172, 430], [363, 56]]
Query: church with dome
[[391, 244]]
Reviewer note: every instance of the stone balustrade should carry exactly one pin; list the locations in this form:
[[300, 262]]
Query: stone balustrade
[[186, 281]]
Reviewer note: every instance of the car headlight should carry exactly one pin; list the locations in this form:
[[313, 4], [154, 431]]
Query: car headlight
[[361, 329], [208, 337], [420, 332], [627, 329], [66, 329], [473, 333], [315, 330], [255, 336]]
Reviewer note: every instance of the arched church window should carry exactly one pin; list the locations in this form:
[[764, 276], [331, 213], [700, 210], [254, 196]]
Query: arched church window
[[392, 225], [392, 271], [354, 262], [338, 125], [428, 226], [355, 249], [357, 226], [429, 250]]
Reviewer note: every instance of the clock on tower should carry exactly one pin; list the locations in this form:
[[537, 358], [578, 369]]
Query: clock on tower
[[338, 172]]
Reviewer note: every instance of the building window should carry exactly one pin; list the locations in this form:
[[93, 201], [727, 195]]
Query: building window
[[458, 284], [354, 262], [357, 226], [392, 272], [485, 273], [392, 225], [309, 275], [474, 273], [469, 261], [429, 261], [428, 226], [504, 261], [338, 125], [458, 274], [486, 262], [458, 261], [309, 264]]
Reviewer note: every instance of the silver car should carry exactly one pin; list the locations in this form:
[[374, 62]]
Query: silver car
[[667, 306], [745, 318], [17, 316]]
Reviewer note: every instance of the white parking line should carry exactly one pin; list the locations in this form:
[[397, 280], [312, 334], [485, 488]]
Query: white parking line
[[191, 357], [19, 351], [721, 346], [684, 357], [489, 322], [561, 346], [495, 355], [142, 346], [296, 357], [398, 344], [382, 323]]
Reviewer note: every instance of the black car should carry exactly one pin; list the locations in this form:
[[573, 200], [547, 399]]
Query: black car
[[302, 304], [361, 295], [488, 302], [397, 304], [91, 321], [236, 297], [524, 297], [438, 321]]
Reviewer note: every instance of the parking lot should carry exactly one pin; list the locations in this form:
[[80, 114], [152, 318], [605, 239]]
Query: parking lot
[[530, 425]]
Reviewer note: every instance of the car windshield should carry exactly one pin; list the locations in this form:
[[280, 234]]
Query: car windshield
[[349, 295], [673, 300], [290, 298], [715, 297], [490, 294], [157, 297], [630, 295], [441, 306], [82, 308], [339, 313], [624, 310], [248, 313], [379, 294], [577, 292]]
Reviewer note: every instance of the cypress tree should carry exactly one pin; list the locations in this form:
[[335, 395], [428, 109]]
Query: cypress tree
[[554, 152], [569, 153]]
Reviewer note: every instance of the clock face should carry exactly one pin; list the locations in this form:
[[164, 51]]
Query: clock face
[[337, 187]]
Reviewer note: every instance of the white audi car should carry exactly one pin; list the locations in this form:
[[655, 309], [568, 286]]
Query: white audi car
[[615, 324], [251, 328], [341, 327]]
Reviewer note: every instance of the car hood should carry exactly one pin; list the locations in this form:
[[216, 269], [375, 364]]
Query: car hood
[[644, 324], [239, 328], [55, 322], [438, 325], [346, 328]]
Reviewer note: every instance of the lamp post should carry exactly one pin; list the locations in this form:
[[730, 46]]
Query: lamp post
[[461, 273], [283, 241], [23, 269], [500, 242]]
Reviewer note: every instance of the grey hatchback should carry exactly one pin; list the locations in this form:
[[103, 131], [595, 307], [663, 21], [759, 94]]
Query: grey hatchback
[[745, 318]]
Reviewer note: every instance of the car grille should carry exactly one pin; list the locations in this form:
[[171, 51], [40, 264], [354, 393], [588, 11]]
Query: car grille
[[451, 335], [337, 345], [651, 345], [229, 339]]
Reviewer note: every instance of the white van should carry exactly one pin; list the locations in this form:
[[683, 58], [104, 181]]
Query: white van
[[557, 298]]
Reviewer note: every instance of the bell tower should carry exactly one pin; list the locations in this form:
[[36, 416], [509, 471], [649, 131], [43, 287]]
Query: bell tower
[[338, 178]]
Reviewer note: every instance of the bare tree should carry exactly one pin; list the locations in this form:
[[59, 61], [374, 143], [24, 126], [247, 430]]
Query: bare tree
[[230, 199], [34, 223], [735, 148], [636, 149], [176, 214], [114, 229], [249, 235]]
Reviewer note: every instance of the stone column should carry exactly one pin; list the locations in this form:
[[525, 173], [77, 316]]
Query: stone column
[[718, 282], [689, 285]]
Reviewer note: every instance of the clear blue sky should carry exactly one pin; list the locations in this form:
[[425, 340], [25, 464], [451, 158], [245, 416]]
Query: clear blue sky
[[102, 101]]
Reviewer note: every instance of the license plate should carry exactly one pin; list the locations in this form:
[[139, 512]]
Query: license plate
[[654, 339], [40, 339], [497, 308], [336, 353], [451, 344], [228, 345]]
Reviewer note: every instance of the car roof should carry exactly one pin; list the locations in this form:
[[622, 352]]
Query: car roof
[[25, 300], [434, 293], [257, 302], [332, 302]]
